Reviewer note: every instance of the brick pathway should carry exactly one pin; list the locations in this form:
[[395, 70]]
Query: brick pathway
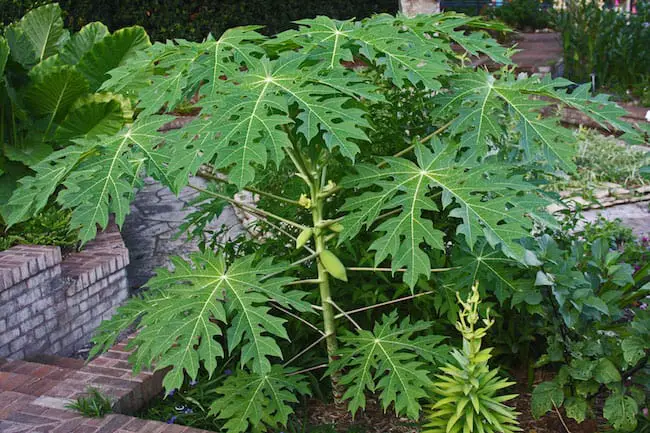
[[33, 395]]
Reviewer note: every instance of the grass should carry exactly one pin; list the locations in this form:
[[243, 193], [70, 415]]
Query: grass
[[602, 160], [94, 405]]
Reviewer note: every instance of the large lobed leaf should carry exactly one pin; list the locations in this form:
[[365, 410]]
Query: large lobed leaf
[[390, 360], [478, 102], [488, 202], [183, 318], [258, 400]]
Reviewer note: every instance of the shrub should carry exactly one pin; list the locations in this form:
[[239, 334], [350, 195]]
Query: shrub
[[193, 19], [526, 15], [611, 44], [422, 219]]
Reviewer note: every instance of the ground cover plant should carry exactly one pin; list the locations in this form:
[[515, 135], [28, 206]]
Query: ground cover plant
[[602, 161], [366, 223]]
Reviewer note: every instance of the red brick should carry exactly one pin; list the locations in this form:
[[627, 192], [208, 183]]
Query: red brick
[[84, 429], [61, 414], [102, 371], [95, 422], [63, 390], [38, 387], [114, 354], [135, 425], [26, 418], [114, 423], [12, 381], [68, 426]]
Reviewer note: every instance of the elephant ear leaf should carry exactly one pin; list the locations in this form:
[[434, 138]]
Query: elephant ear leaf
[[82, 42], [37, 35], [95, 115], [53, 93], [109, 53]]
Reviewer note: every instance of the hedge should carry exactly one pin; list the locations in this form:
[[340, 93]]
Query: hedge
[[194, 19]]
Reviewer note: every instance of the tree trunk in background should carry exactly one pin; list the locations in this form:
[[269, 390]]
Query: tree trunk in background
[[414, 7]]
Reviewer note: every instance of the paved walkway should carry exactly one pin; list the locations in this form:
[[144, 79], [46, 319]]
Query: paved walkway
[[33, 395]]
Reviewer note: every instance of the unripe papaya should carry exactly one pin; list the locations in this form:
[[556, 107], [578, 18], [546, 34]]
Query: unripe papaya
[[303, 237], [333, 265]]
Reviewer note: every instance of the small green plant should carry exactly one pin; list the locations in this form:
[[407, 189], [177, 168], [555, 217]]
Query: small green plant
[[92, 405], [51, 226], [467, 393]]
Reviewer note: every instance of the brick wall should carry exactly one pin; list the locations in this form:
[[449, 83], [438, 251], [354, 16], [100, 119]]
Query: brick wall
[[52, 305]]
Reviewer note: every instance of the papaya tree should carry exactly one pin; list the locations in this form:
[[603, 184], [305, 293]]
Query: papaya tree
[[299, 102]]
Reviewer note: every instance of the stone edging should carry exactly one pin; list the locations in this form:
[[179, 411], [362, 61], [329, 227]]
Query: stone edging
[[53, 305]]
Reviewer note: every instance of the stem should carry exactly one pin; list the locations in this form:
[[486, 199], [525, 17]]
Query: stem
[[329, 322], [371, 269], [344, 314], [305, 350], [422, 141], [295, 316], [382, 304], [207, 175], [249, 208]]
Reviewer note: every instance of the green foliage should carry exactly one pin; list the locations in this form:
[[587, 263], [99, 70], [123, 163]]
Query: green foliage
[[390, 361], [611, 44], [180, 318], [93, 405], [51, 226], [48, 92], [602, 160], [526, 15], [256, 399], [466, 395], [193, 20], [298, 107]]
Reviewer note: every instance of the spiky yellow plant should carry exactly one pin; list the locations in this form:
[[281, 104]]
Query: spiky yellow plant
[[466, 393]]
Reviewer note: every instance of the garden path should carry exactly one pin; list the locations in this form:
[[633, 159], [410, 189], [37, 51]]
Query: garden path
[[634, 215]]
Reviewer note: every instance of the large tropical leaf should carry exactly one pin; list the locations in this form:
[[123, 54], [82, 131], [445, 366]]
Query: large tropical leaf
[[110, 52], [242, 127], [189, 306], [82, 42], [255, 400], [95, 115], [392, 361], [51, 95], [488, 203], [43, 28], [478, 103], [21, 48], [33, 192]]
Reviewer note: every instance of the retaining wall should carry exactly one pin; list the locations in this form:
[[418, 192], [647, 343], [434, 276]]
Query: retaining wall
[[52, 305]]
